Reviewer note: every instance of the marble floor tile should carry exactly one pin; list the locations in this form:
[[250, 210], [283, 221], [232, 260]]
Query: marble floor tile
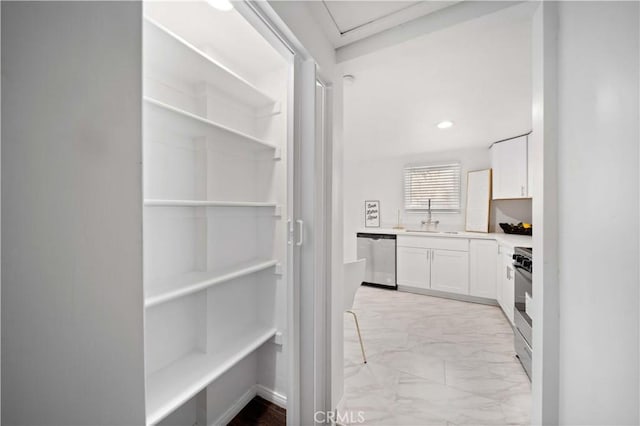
[[431, 361]]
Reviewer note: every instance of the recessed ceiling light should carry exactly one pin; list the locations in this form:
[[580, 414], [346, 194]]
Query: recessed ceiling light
[[349, 78], [445, 124], [224, 5]]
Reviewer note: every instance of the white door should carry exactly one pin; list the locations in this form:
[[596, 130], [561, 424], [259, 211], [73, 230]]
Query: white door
[[413, 266], [509, 163], [483, 256], [450, 271]]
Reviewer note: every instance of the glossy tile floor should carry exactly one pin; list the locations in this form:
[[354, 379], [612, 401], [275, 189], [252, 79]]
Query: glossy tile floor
[[431, 361]]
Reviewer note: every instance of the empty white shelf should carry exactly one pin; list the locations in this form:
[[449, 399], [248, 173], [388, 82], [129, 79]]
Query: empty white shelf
[[197, 203], [165, 118], [175, 384], [171, 56], [172, 288]]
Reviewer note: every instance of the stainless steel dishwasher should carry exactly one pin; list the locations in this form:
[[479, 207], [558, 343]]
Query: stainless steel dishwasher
[[380, 252]]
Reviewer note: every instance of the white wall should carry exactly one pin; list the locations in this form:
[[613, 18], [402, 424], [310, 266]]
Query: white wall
[[72, 302], [383, 180], [598, 63], [476, 74]]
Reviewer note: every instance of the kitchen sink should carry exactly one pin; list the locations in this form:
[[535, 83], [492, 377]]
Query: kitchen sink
[[428, 231]]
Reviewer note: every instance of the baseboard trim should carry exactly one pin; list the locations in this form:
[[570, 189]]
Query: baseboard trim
[[271, 396], [445, 295], [255, 390], [235, 408]]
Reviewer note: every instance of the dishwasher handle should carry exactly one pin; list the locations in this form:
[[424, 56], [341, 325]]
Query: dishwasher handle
[[376, 236]]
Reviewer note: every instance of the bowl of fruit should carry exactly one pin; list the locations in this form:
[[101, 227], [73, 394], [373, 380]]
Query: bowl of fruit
[[520, 228]]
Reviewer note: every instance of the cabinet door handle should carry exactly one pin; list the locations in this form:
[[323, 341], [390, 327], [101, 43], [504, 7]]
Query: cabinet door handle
[[508, 273], [522, 190]]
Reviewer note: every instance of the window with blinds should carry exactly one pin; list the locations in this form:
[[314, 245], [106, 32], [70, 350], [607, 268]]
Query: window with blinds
[[438, 183]]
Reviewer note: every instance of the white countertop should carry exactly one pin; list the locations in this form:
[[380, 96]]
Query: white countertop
[[509, 240]]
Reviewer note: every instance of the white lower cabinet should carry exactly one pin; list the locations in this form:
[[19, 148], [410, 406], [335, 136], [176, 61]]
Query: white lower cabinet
[[483, 275], [499, 279], [450, 271], [474, 267], [506, 282], [413, 266], [433, 263]]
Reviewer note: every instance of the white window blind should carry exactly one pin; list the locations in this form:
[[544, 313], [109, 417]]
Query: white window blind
[[440, 183]]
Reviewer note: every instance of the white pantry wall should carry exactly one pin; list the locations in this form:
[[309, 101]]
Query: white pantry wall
[[598, 207], [72, 297]]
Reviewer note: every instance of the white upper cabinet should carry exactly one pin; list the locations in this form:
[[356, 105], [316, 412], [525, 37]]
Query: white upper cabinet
[[509, 161], [483, 257]]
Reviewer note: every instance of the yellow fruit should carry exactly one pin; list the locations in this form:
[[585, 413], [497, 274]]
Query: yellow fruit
[[526, 225]]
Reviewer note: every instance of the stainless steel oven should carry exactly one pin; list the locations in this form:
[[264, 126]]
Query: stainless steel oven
[[523, 266]]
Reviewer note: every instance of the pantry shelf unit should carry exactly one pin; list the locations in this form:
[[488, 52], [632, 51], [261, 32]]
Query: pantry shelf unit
[[216, 102], [166, 119], [174, 58], [175, 384], [197, 203], [168, 289]]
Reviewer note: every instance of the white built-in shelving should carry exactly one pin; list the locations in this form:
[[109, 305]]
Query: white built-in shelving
[[166, 119], [215, 249], [170, 288], [175, 384], [199, 203], [171, 57]]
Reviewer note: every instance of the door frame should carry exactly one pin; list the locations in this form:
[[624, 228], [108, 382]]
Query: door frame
[[308, 330], [544, 137]]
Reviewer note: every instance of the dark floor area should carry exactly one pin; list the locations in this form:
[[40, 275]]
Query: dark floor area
[[260, 412]]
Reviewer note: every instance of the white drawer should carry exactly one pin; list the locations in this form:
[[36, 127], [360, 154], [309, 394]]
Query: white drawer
[[458, 244]]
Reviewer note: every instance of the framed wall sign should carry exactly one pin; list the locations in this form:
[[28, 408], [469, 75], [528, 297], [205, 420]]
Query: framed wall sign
[[372, 214]]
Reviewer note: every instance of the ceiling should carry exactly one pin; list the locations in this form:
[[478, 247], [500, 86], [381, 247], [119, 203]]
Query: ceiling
[[345, 22], [476, 74], [350, 15]]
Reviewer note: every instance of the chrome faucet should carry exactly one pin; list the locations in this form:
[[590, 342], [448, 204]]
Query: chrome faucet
[[429, 220]]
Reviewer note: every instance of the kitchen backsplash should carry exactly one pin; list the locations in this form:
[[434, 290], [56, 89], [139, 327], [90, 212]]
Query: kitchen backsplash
[[509, 211]]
